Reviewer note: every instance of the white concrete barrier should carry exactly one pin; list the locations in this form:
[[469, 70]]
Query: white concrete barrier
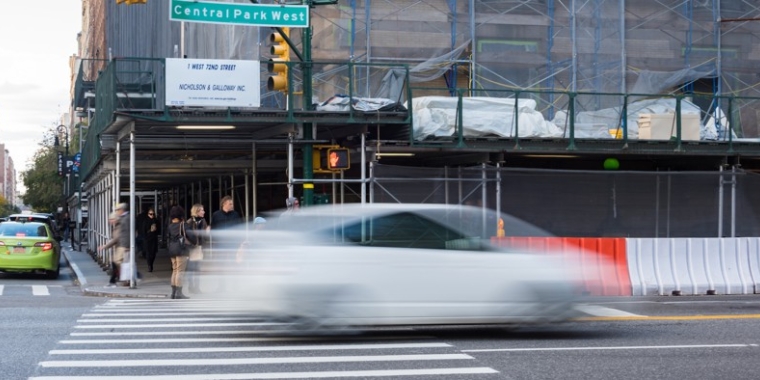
[[668, 266]]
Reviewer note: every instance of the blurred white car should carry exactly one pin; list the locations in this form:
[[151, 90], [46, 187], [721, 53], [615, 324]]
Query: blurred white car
[[393, 264]]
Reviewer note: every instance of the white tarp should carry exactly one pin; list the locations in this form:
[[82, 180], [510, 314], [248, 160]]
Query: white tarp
[[597, 124], [482, 116], [436, 116], [342, 103]]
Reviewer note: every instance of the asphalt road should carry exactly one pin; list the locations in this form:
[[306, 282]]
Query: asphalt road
[[35, 314], [64, 335]]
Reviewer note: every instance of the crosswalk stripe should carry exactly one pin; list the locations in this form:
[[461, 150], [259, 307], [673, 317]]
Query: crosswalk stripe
[[321, 347], [188, 340], [601, 311], [224, 332], [37, 290], [174, 325], [176, 333], [178, 304], [294, 375], [126, 320], [179, 312], [117, 311], [40, 290], [157, 334], [247, 361]]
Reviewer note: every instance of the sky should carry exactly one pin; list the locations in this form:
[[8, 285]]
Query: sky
[[36, 40]]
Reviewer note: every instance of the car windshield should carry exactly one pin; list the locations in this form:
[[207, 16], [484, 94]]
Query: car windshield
[[23, 230]]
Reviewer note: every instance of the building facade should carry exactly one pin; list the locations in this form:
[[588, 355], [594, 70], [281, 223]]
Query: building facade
[[8, 177], [585, 72]]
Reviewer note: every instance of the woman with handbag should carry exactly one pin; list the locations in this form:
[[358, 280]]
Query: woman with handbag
[[178, 249], [197, 230]]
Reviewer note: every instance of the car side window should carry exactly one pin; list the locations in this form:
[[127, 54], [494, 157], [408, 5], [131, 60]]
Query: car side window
[[404, 230]]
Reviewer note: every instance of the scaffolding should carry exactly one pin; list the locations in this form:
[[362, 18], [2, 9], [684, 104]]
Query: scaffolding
[[702, 49], [706, 50]]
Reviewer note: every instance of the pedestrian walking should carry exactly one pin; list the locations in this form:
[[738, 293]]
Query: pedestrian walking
[[178, 249], [119, 219], [139, 228], [66, 228], [197, 234], [292, 205], [259, 223], [149, 235]]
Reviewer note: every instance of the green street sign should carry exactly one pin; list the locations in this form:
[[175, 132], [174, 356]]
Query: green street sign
[[293, 16]]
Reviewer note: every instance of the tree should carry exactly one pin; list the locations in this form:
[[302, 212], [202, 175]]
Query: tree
[[7, 208], [44, 187]]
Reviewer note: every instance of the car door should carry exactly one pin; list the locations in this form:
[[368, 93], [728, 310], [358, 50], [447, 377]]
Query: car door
[[429, 273]]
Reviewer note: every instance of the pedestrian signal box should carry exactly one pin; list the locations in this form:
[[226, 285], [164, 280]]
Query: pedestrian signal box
[[338, 159], [330, 159]]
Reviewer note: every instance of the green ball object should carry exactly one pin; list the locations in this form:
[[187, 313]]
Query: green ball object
[[611, 164]]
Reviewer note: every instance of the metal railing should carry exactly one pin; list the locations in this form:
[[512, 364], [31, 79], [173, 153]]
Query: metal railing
[[134, 84]]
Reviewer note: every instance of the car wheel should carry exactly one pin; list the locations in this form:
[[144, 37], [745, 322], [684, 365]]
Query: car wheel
[[53, 274], [326, 314]]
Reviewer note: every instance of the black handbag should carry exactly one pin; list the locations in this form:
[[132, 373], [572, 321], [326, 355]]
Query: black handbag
[[178, 244]]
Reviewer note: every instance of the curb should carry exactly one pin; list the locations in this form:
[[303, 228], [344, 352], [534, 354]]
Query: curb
[[95, 293], [77, 272]]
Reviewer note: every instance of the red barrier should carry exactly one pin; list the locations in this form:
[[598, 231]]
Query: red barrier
[[603, 261]]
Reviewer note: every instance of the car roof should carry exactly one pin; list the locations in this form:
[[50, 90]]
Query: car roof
[[12, 222], [326, 215], [35, 216], [365, 209], [29, 218]]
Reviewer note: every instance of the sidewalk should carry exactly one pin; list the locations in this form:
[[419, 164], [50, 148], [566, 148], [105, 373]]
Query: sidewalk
[[93, 279]]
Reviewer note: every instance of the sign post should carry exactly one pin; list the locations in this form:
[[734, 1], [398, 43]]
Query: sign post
[[277, 16]]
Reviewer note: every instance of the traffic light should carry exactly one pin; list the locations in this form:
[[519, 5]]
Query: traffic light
[[276, 65]]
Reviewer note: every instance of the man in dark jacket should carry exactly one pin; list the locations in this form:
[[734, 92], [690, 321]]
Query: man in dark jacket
[[226, 216], [223, 218]]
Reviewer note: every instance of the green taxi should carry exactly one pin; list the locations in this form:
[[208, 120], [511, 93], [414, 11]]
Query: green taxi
[[29, 247]]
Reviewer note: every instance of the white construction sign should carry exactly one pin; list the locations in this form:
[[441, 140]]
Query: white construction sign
[[212, 83]]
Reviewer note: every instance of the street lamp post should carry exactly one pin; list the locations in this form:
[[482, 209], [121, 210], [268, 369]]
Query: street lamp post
[[63, 130], [80, 184]]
